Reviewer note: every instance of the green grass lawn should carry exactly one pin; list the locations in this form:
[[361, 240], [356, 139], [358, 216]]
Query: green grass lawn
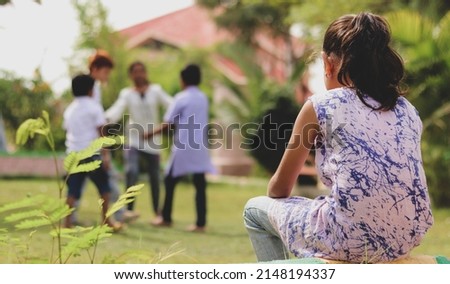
[[226, 240]]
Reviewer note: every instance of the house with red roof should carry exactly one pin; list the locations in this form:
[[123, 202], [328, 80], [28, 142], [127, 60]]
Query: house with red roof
[[195, 27]]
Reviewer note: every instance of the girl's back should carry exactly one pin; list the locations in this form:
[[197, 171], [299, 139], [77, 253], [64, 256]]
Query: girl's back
[[371, 161], [367, 140]]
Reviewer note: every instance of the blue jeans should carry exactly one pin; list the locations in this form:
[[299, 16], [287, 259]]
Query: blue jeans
[[265, 239], [132, 173]]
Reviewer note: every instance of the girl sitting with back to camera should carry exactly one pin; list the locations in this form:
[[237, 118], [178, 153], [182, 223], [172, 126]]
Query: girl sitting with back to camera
[[367, 139]]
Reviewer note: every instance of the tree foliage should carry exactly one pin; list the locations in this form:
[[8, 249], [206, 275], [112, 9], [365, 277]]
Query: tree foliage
[[244, 18], [425, 45], [265, 106], [5, 2], [432, 9], [21, 98], [262, 100], [45, 211], [97, 33]]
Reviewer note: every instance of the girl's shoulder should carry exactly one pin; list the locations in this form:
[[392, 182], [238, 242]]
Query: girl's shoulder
[[332, 99], [404, 103], [340, 94]]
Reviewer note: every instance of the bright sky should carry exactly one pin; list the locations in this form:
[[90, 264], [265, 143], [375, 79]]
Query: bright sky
[[33, 34]]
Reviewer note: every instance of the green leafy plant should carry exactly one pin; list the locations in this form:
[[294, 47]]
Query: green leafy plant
[[263, 102], [425, 45], [43, 211]]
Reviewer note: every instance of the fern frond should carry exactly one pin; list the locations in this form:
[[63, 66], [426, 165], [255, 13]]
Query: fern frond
[[60, 212], [51, 204], [43, 132], [29, 128], [95, 147], [70, 232], [24, 203], [134, 189], [46, 118], [33, 223], [87, 240], [88, 167], [23, 215], [71, 161], [124, 199], [23, 132], [119, 139]]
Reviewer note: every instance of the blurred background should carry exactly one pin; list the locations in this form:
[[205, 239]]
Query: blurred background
[[259, 58]]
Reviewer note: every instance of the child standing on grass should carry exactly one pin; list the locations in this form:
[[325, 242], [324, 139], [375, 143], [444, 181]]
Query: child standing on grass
[[189, 116], [100, 67], [83, 120], [367, 140]]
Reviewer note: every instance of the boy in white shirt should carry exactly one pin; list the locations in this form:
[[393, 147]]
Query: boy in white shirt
[[100, 67], [83, 121]]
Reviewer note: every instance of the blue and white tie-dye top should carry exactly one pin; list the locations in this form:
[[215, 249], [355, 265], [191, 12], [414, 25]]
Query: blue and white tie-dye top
[[378, 208]]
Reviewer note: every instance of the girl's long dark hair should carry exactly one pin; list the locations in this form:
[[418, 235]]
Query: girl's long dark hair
[[368, 64]]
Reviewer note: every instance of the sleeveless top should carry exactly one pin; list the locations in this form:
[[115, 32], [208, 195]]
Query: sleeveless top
[[378, 208]]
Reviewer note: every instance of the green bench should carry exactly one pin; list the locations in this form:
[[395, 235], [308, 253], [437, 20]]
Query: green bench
[[417, 259]]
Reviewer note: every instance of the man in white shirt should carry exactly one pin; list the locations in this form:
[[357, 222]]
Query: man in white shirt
[[83, 120], [189, 116], [142, 101]]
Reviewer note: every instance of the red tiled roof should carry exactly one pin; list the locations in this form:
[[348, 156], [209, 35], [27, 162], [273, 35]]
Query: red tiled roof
[[195, 27], [277, 45], [192, 26], [230, 69]]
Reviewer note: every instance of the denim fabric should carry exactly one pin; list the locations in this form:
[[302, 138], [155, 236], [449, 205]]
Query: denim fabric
[[265, 239]]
